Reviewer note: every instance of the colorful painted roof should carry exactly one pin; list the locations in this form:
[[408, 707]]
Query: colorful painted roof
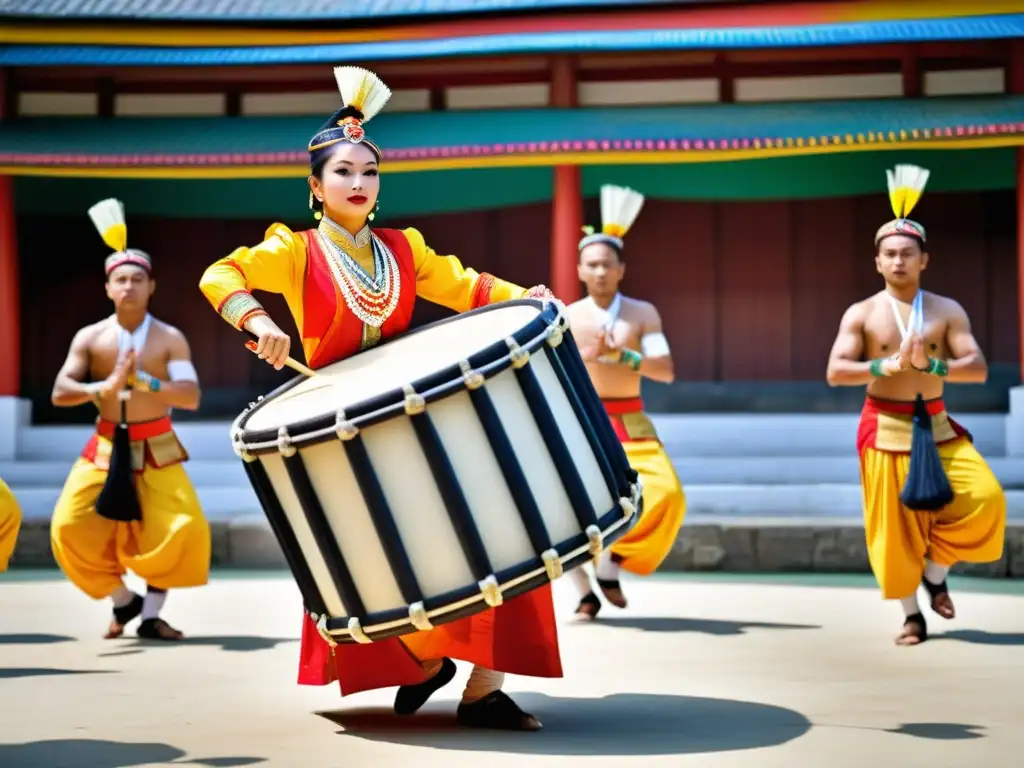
[[286, 10], [275, 146], [654, 27]]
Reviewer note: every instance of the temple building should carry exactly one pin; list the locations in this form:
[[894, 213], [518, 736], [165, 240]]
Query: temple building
[[760, 133]]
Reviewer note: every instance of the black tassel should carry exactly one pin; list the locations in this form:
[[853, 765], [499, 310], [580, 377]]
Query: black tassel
[[118, 500], [927, 488]]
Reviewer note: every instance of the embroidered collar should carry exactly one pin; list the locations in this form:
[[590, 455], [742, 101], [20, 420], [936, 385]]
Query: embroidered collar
[[341, 236]]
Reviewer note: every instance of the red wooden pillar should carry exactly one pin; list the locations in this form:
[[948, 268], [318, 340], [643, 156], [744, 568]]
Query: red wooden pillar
[[567, 200], [1020, 253], [10, 306], [1016, 85]]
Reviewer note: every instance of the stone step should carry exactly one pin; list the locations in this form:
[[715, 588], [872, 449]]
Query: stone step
[[717, 502], [713, 470], [740, 544], [685, 435]]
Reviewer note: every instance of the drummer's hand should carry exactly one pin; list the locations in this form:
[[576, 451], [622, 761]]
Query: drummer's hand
[[540, 292], [274, 344]]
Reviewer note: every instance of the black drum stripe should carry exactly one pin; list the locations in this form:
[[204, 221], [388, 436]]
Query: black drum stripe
[[285, 536], [602, 421], [515, 479], [383, 520], [586, 422], [560, 455], [326, 538], [454, 499]]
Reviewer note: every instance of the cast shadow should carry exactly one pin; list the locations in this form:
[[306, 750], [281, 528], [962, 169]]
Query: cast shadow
[[940, 731], [13, 673], [715, 627], [623, 724], [93, 753], [34, 639], [126, 652], [980, 637], [230, 643]]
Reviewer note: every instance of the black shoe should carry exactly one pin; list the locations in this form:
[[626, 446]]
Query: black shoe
[[122, 616], [411, 697], [588, 608], [498, 712], [158, 629]]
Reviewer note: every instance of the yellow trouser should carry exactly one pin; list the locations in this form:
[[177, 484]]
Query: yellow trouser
[[970, 529], [10, 524], [169, 548], [643, 548]]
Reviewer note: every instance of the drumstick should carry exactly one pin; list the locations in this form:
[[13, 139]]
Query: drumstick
[[295, 365]]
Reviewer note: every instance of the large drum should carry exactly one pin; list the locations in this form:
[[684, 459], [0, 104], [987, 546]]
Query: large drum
[[439, 474]]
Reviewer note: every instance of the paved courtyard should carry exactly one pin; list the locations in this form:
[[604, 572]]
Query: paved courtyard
[[758, 672]]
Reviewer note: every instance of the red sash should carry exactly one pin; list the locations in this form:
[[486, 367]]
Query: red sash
[[327, 317], [887, 425]]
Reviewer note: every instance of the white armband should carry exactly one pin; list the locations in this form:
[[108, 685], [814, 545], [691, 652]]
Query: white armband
[[654, 345], [182, 370]]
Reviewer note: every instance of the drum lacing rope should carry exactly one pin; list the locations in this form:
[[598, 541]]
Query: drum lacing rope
[[517, 354], [491, 591], [343, 428], [321, 627], [552, 563], [556, 330], [356, 630], [238, 446], [418, 617], [414, 403], [472, 379], [629, 505], [284, 443], [596, 541]]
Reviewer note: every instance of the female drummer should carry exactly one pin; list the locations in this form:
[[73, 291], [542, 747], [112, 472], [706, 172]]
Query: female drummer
[[349, 287]]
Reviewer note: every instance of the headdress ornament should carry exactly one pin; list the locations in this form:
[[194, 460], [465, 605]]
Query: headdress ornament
[[363, 95], [108, 218], [619, 208], [906, 184]]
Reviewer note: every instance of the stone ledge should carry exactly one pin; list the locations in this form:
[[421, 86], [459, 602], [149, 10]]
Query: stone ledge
[[763, 545]]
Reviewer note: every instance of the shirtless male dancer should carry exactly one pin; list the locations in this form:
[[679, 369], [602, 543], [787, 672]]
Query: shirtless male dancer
[[139, 368], [609, 329], [903, 342]]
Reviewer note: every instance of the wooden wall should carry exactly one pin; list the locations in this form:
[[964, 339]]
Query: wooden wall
[[755, 291], [748, 291]]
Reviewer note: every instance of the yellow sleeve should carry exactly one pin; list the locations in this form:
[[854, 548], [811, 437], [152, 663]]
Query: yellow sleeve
[[277, 265], [443, 280]]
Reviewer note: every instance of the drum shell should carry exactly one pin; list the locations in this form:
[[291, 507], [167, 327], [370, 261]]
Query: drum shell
[[473, 485]]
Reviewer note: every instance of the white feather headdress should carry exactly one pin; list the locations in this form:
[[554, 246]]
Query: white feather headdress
[[108, 218], [620, 207], [906, 185]]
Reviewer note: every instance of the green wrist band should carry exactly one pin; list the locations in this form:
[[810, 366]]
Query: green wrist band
[[876, 367], [631, 359], [938, 367]]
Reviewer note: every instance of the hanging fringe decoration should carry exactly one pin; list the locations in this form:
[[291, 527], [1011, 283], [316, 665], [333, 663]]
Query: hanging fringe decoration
[[927, 487]]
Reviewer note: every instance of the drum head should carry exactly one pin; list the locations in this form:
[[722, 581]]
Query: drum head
[[392, 365]]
